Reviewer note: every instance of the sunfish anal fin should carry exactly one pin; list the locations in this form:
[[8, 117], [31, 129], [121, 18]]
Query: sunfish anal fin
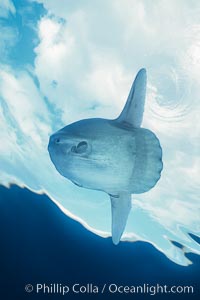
[[121, 206]]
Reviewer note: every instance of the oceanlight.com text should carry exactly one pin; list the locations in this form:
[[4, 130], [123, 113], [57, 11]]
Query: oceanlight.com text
[[112, 288]]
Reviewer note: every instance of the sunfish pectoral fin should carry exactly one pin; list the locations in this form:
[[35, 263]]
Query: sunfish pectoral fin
[[132, 114], [121, 206]]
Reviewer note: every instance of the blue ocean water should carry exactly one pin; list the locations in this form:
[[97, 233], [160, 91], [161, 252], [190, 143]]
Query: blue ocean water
[[60, 63], [40, 244]]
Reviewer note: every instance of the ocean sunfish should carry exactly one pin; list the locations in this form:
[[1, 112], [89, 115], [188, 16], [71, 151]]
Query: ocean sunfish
[[114, 156]]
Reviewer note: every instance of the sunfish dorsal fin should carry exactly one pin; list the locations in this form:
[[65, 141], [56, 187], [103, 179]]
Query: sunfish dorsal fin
[[132, 113], [121, 206]]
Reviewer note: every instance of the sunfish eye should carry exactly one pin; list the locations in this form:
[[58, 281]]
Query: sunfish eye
[[80, 148]]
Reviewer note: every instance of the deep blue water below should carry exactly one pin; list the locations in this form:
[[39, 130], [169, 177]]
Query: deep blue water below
[[39, 244]]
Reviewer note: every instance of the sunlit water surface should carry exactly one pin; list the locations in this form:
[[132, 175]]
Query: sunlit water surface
[[32, 109]]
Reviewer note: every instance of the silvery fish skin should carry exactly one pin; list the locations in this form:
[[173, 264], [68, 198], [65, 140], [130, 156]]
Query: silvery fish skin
[[114, 156]]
